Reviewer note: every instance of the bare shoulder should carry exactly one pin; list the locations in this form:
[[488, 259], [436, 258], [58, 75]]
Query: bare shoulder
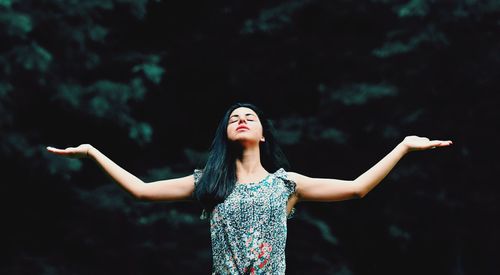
[[298, 178], [293, 175]]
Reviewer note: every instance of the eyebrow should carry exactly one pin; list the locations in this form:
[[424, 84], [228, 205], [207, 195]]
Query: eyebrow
[[247, 114]]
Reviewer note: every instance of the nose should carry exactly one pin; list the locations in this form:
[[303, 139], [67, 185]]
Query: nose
[[241, 120]]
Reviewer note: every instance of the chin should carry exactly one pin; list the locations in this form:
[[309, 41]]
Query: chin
[[245, 140]]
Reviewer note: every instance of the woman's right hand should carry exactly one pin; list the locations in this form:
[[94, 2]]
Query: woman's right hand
[[82, 151]]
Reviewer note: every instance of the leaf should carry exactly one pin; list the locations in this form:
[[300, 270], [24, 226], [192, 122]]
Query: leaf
[[33, 57], [97, 33], [334, 134], [5, 88], [151, 69], [17, 24], [430, 34], [273, 18], [141, 132], [99, 106], [69, 93], [398, 233], [138, 90], [152, 72], [6, 3], [359, 94], [413, 8]]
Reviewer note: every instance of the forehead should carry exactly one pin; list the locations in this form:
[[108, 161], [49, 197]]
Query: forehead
[[242, 111]]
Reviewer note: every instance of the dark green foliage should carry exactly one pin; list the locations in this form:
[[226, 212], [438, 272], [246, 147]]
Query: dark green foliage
[[345, 81], [273, 19], [57, 54]]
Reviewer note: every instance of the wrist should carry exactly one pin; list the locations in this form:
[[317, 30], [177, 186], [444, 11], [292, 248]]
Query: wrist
[[403, 148], [90, 151]]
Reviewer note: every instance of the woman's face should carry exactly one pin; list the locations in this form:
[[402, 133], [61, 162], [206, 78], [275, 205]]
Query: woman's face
[[244, 126]]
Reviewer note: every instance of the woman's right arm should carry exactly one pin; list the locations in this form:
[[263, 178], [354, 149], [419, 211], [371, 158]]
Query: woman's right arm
[[177, 189]]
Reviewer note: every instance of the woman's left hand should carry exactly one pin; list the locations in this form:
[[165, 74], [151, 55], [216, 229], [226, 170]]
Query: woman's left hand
[[415, 143]]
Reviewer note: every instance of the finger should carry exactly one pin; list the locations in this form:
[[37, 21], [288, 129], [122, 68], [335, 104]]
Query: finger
[[434, 143], [56, 150], [53, 149], [439, 143], [445, 142]]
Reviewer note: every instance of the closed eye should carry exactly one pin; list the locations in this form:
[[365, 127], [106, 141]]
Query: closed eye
[[247, 115]]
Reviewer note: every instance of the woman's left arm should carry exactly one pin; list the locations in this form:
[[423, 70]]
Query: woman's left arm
[[317, 189]]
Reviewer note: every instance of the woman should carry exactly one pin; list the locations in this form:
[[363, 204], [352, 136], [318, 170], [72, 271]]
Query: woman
[[248, 205]]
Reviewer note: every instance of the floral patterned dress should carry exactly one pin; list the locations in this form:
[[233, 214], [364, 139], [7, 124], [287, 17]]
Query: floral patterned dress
[[248, 230]]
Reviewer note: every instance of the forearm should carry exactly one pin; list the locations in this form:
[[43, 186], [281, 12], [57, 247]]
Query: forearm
[[368, 180], [126, 180]]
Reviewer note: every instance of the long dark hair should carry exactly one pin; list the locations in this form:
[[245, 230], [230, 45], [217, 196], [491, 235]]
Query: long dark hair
[[219, 174]]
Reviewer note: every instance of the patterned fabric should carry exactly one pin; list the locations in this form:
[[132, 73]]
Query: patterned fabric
[[249, 229]]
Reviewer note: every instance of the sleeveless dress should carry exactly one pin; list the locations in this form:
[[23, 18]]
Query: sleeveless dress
[[249, 229]]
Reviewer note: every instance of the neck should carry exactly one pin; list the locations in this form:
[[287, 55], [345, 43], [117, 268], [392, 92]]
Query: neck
[[248, 162]]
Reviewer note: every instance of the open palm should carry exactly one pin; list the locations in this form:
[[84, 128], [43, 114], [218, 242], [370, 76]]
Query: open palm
[[414, 143], [80, 151]]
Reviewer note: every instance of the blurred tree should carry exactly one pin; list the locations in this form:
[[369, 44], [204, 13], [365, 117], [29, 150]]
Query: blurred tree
[[69, 59], [345, 81]]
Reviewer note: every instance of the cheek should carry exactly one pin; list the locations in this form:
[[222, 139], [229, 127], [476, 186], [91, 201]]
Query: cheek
[[260, 130], [230, 130]]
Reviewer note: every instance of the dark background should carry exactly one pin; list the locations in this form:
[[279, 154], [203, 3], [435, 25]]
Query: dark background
[[146, 83]]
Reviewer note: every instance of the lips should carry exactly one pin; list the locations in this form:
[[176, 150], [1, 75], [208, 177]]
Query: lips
[[242, 127]]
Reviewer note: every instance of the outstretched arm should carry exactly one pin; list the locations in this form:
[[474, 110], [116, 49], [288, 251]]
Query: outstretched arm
[[164, 190], [319, 189]]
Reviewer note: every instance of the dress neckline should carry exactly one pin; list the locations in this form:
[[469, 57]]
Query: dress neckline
[[256, 182]]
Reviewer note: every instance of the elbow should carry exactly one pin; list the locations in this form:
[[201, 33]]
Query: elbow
[[140, 195], [359, 192]]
